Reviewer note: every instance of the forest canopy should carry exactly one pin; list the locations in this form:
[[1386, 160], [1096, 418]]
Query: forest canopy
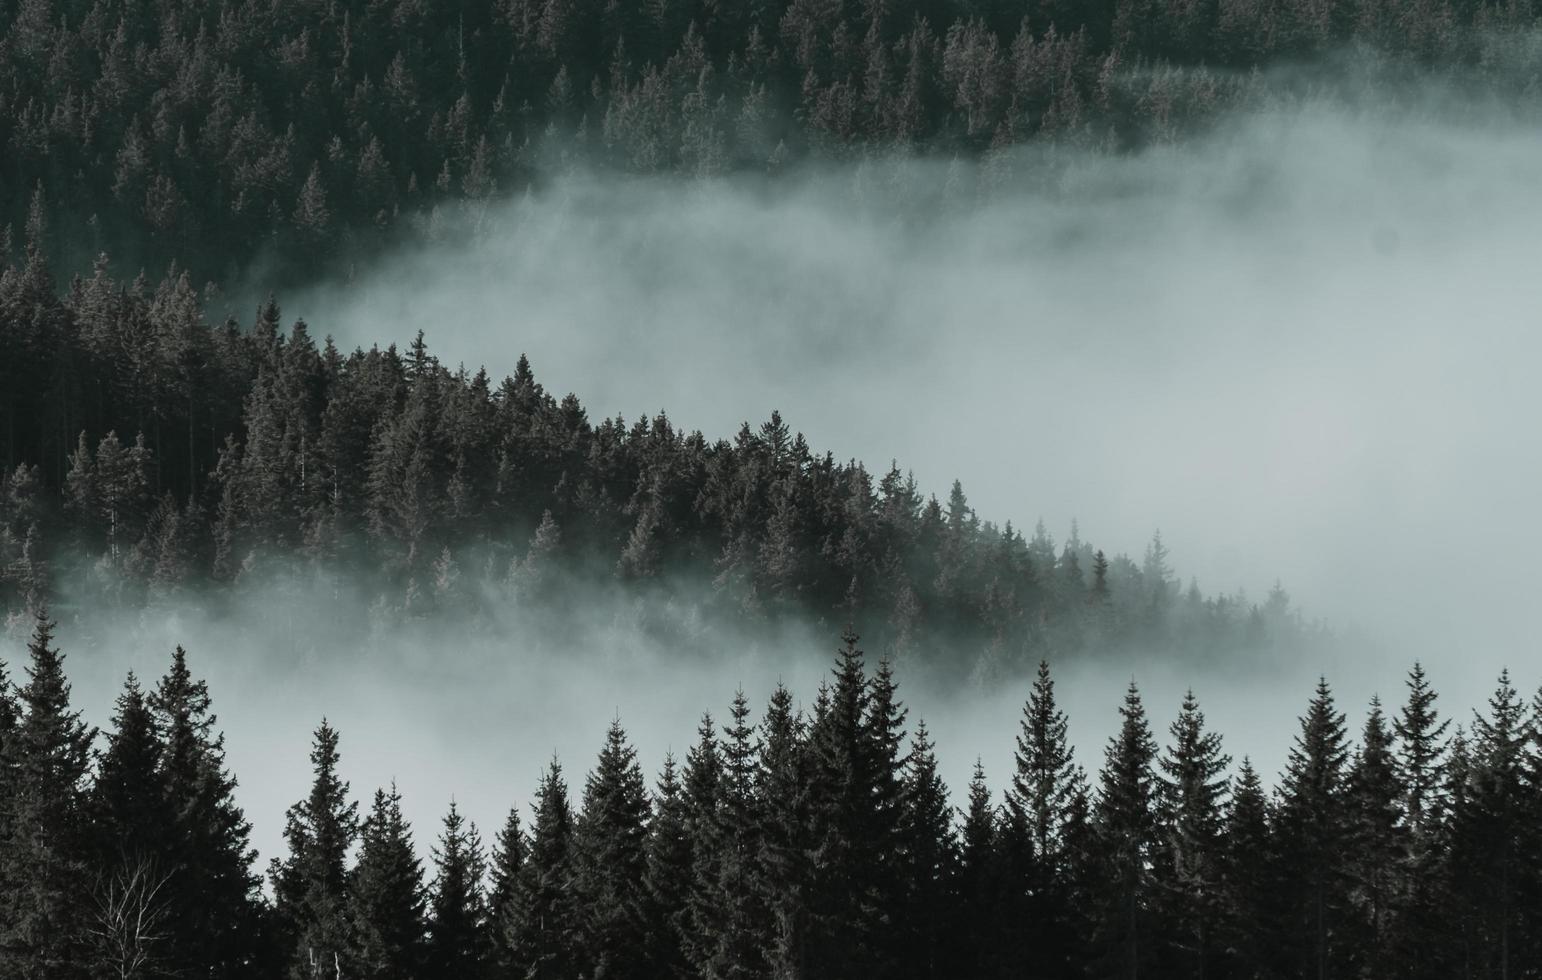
[[818, 841]]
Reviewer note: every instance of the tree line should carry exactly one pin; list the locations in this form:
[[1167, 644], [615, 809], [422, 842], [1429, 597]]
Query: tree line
[[147, 453], [307, 136], [808, 842]]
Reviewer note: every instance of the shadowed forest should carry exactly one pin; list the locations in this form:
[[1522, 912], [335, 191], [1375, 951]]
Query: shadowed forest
[[808, 842], [242, 138], [260, 455]]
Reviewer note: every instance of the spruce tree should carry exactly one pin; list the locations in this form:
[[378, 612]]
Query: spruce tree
[[510, 849], [1126, 822], [1419, 761], [1192, 791], [1314, 837], [981, 929], [1378, 845], [611, 850], [457, 948], [129, 798], [45, 858], [782, 796], [1490, 834], [546, 932], [727, 912], [1247, 877], [215, 919], [311, 885], [386, 904], [668, 878], [929, 860]]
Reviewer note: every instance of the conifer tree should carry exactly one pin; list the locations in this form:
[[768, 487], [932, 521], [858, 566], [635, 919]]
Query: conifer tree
[[1489, 833], [611, 864], [782, 797], [929, 852], [668, 879], [1419, 761], [386, 904], [546, 933], [311, 885], [129, 798], [1313, 843], [1247, 876], [214, 917], [729, 919], [1126, 822], [982, 933], [1378, 844], [457, 947], [1192, 792], [510, 849], [45, 858]]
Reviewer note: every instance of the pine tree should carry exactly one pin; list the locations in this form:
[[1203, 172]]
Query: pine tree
[[1313, 842], [1489, 834], [1247, 876], [311, 885], [214, 917], [668, 878], [1192, 797], [782, 797], [457, 947], [386, 903], [45, 858], [510, 850], [129, 798], [611, 845], [929, 855], [981, 930], [1419, 761], [546, 933], [1378, 844], [729, 922], [1126, 822]]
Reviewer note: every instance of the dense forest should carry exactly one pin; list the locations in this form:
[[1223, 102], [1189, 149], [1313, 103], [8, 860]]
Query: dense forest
[[805, 843], [148, 455], [241, 136]]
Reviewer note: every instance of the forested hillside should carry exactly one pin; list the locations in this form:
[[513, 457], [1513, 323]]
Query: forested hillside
[[800, 842], [241, 136], [148, 455]]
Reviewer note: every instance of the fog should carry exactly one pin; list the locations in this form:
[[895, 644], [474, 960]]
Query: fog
[[1302, 346]]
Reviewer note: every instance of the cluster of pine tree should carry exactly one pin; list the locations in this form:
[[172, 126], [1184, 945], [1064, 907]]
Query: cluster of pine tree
[[810, 843], [170, 453], [218, 130]]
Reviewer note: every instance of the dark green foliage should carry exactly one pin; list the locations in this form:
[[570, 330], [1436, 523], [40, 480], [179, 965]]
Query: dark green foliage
[[311, 885], [1128, 844], [46, 855], [1313, 841], [211, 894], [457, 944], [258, 452], [547, 920], [611, 843], [802, 847], [386, 902], [1189, 861]]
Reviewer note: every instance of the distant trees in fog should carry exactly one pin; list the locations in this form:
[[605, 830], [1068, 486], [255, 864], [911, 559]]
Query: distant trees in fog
[[148, 454], [810, 842], [225, 135]]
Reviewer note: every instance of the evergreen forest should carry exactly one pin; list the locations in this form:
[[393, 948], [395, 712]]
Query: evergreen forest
[[794, 841]]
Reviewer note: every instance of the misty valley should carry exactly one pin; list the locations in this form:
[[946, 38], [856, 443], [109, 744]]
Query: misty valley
[[809, 841], [577, 490]]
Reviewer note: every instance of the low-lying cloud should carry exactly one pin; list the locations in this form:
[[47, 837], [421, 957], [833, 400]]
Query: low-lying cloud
[[1302, 346]]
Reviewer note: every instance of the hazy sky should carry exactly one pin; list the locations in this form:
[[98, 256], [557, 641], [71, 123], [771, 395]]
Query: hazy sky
[[1305, 349]]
